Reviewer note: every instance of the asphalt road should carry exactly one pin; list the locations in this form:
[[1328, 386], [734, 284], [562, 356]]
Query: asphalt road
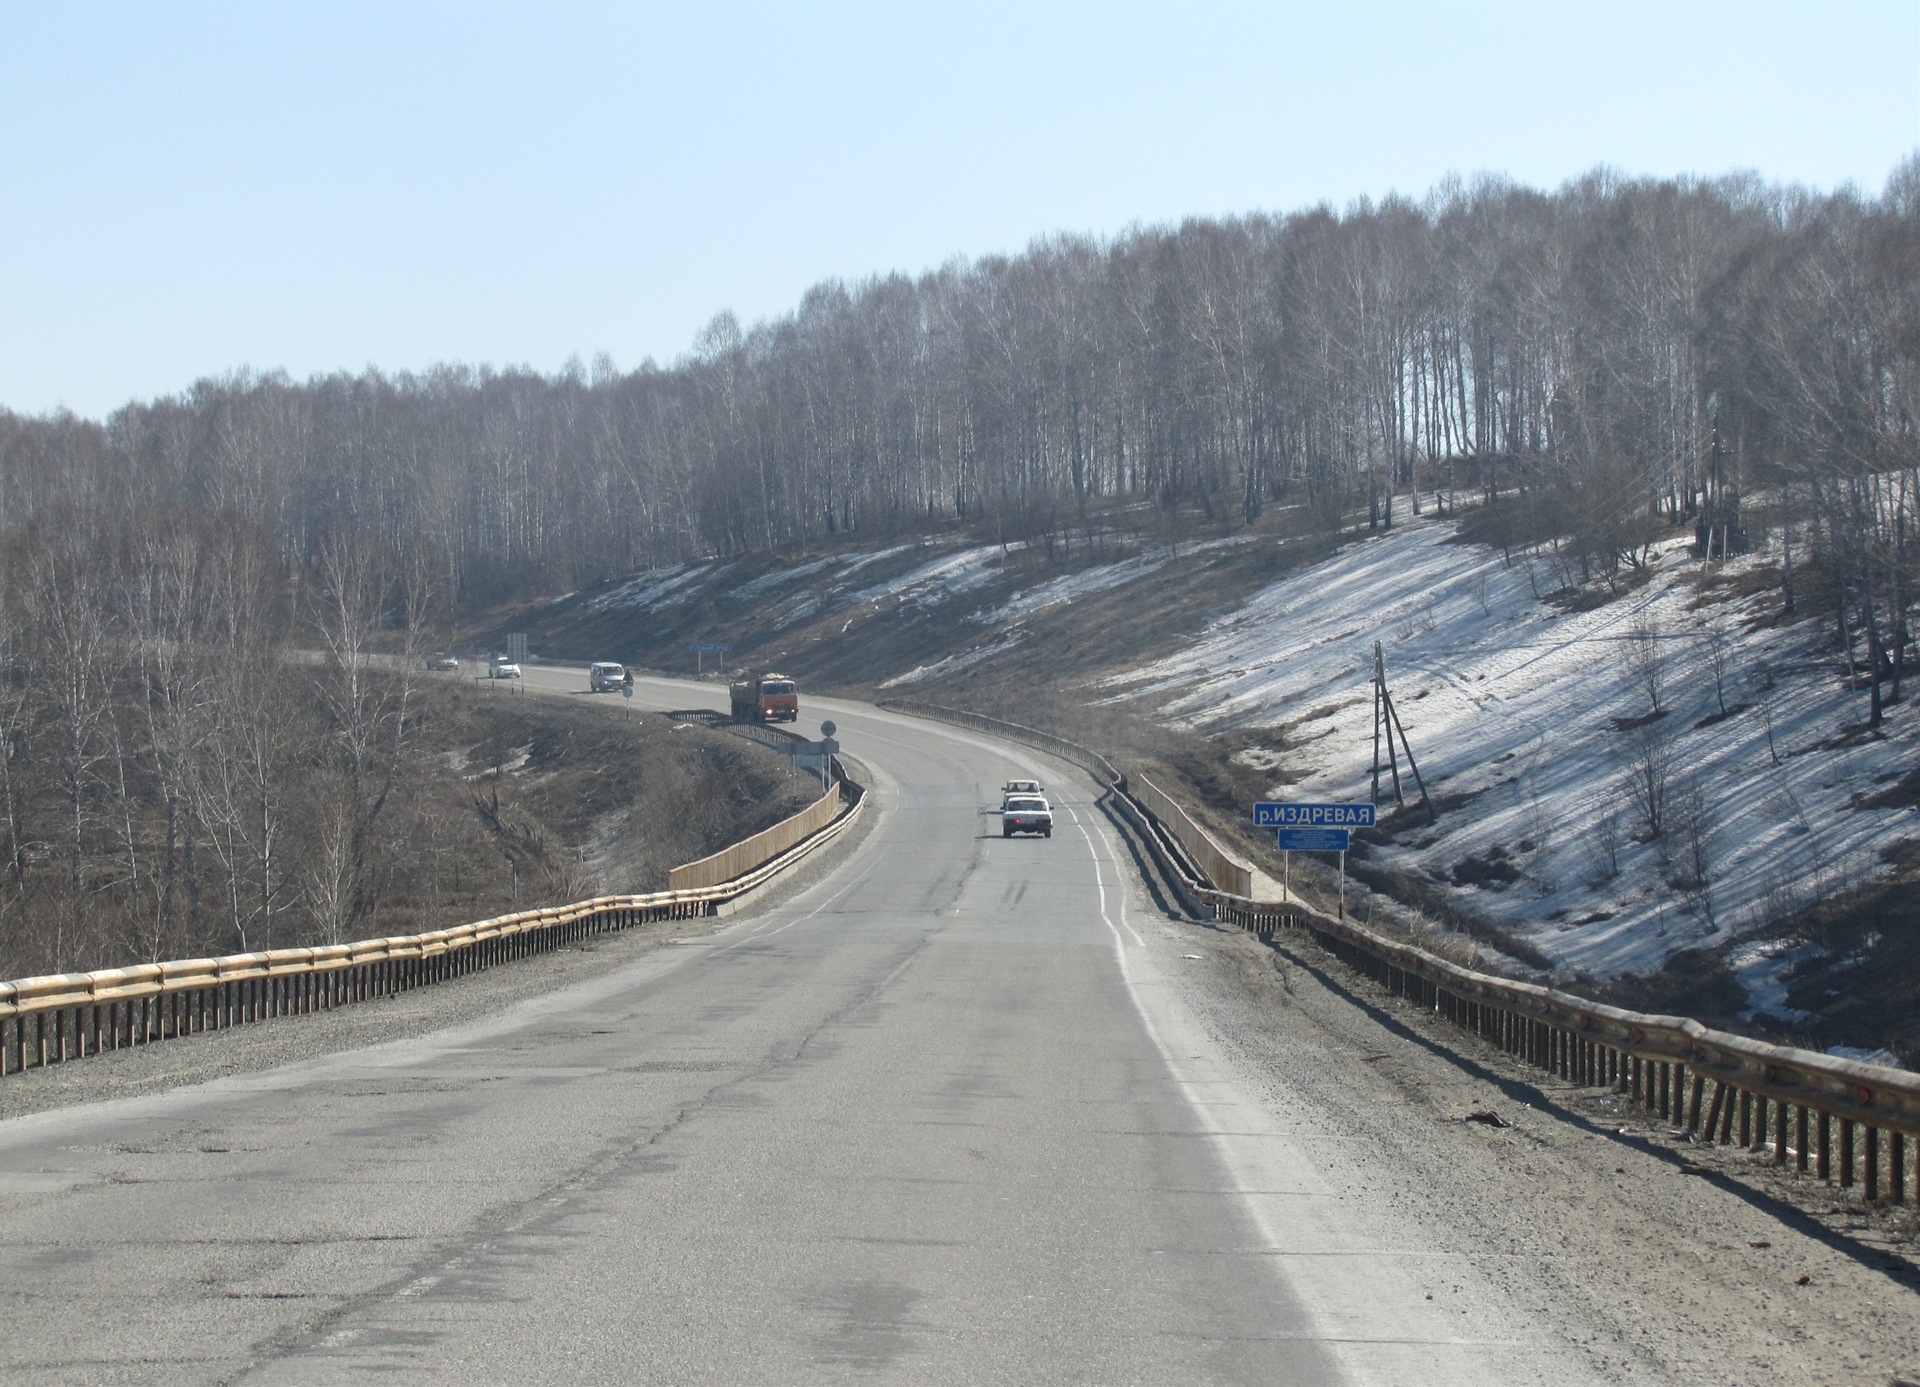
[[946, 1115]]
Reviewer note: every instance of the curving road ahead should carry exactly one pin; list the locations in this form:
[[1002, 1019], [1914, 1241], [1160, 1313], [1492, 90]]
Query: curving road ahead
[[946, 1115]]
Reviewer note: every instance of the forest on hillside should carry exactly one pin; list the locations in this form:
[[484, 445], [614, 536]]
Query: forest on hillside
[[208, 750], [1595, 361], [1615, 348]]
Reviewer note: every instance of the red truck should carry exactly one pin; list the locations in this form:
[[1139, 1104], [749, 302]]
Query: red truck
[[765, 698]]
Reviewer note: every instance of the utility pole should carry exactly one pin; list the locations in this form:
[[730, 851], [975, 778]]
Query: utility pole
[[1386, 718], [1716, 518]]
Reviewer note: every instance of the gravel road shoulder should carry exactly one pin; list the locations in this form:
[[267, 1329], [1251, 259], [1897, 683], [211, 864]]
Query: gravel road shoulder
[[1657, 1258]]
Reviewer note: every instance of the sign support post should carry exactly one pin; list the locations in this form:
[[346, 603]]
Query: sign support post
[[813, 756]]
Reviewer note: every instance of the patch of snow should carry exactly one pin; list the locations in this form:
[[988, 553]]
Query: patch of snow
[[1761, 970], [1258, 758], [797, 610], [1854, 1052], [939, 579], [1097, 578], [653, 589], [1515, 706], [859, 562], [954, 663], [516, 760], [1068, 586], [781, 577]]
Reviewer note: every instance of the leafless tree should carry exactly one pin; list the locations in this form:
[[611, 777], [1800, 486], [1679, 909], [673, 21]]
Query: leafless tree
[[1647, 659], [1716, 656], [1648, 758]]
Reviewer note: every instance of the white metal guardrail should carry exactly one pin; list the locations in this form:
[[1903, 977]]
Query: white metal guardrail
[[1854, 1123], [64, 1016], [1227, 872]]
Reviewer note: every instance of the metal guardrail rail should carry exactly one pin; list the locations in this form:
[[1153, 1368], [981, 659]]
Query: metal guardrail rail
[[65, 1016], [1852, 1123], [1227, 872]]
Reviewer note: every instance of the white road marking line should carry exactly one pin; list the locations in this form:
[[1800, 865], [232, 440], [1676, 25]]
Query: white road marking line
[[1100, 883]]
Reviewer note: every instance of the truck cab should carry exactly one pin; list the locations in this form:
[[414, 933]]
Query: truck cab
[[765, 698]]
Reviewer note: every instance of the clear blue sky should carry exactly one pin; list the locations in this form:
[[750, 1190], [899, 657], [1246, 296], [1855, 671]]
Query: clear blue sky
[[190, 188]]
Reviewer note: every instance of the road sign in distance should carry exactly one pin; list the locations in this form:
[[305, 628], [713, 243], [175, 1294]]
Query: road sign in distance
[[827, 729], [1314, 839], [1270, 815], [709, 648], [626, 691]]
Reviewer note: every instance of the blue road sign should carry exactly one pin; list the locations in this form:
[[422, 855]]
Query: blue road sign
[[709, 648], [1314, 839], [1270, 815]]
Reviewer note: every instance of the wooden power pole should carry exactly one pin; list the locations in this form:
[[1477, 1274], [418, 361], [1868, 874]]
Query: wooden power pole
[[1385, 718]]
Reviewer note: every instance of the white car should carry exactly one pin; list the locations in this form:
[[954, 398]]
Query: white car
[[605, 675], [1023, 787], [1026, 814], [503, 669]]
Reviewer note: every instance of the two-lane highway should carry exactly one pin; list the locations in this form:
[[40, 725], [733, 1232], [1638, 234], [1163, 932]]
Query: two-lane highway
[[942, 1116]]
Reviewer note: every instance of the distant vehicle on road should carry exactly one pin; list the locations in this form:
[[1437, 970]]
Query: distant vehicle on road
[[1026, 814], [606, 675], [441, 659], [503, 668], [765, 698], [1023, 787]]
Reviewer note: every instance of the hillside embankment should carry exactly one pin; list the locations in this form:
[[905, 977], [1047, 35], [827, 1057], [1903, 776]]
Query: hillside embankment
[[497, 801], [1652, 781]]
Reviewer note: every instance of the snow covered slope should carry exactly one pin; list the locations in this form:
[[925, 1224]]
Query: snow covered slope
[[1530, 721]]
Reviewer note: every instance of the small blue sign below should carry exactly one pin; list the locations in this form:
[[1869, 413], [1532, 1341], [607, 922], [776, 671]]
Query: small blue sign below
[[1270, 815], [1314, 839], [709, 648]]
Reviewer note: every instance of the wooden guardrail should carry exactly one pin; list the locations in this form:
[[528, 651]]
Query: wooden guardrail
[[1853, 1123], [743, 856], [64, 1016]]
